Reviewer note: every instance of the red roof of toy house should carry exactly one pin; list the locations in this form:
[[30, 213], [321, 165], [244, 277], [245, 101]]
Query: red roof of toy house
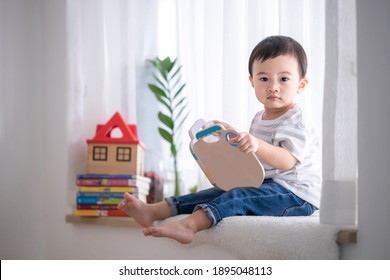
[[103, 132]]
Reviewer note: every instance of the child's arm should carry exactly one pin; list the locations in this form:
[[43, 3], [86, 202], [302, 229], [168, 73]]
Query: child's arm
[[275, 156]]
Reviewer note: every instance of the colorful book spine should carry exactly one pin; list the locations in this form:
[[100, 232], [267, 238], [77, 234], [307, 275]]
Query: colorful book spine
[[97, 213], [107, 189], [111, 182], [98, 200], [104, 194], [96, 207], [111, 176], [100, 194]]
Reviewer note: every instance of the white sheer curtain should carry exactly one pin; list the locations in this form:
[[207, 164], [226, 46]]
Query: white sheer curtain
[[108, 44], [101, 60], [214, 40]]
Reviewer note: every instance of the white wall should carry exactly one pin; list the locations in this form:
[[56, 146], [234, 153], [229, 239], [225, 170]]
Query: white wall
[[22, 120], [373, 47], [33, 206]]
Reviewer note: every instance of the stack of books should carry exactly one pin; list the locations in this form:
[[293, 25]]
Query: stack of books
[[99, 194]]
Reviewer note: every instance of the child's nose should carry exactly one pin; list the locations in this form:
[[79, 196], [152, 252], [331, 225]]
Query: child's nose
[[274, 87]]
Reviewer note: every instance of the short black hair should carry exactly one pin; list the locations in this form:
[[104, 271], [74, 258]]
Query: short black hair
[[274, 46]]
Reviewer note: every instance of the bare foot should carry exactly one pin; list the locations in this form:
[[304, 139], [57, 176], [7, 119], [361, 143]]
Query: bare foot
[[182, 231], [141, 212], [178, 231]]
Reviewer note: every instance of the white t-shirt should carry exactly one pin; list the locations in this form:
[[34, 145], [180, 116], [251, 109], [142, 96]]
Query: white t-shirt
[[293, 132]]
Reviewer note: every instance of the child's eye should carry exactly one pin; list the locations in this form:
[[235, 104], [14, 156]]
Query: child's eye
[[284, 79], [263, 79]]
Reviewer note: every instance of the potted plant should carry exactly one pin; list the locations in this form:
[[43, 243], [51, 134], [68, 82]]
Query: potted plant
[[168, 90]]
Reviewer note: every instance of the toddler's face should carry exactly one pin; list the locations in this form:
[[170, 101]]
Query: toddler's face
[[277, 82]]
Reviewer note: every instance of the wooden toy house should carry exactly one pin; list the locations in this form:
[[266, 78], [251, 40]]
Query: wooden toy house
[[108, 154]]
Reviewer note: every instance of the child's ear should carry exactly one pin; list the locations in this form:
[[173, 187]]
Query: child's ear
[[302, 84], [251, 81]]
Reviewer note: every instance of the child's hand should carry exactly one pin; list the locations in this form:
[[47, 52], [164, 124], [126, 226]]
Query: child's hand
[[245, 142]]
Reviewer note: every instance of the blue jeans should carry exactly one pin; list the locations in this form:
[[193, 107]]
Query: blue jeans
[[271, 199]]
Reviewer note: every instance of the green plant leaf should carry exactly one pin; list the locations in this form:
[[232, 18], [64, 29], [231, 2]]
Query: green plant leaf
[[165, 64], [182, 121], [158, 64], [166, 120], [153, 62], [178, 92], [163, 100], [166, 105], [166, 135], [163, 85], [178, 103], [175, 73], [175, 84], [177, 115], [158, 91]]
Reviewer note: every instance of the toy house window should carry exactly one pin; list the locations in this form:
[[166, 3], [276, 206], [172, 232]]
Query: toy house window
[[123, 154], [100, 153]]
